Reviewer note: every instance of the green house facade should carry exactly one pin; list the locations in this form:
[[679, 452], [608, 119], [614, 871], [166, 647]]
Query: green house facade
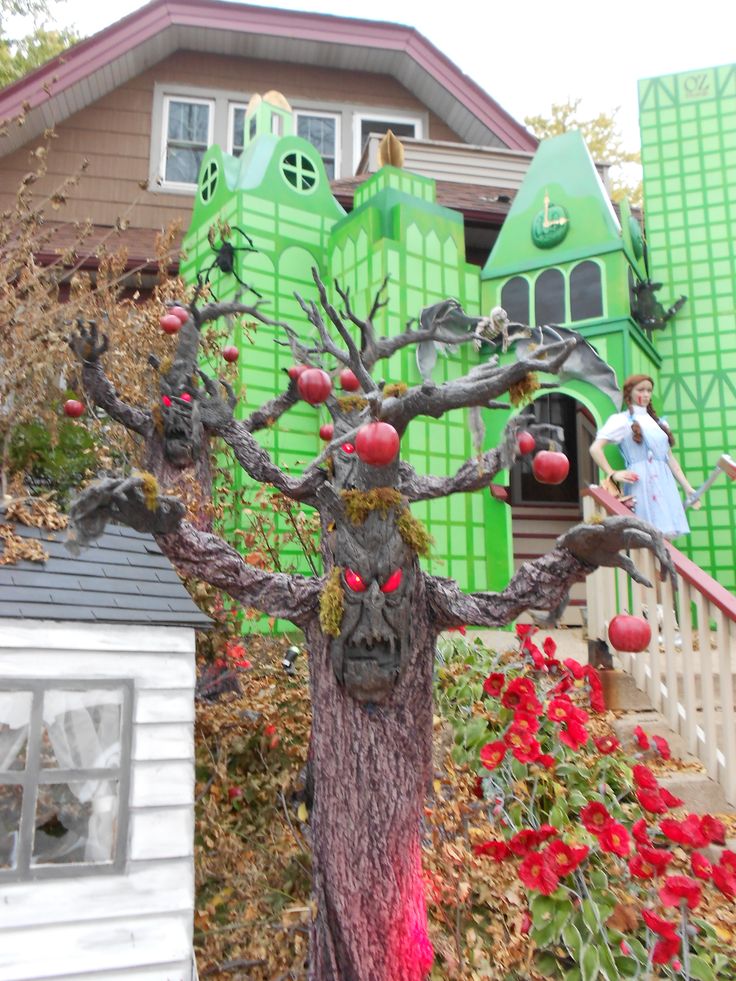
[[688, 137]]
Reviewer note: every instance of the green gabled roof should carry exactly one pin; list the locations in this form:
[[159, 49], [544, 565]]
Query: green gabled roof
[[562, 168]]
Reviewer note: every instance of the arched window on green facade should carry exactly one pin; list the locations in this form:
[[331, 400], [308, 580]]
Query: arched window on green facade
[[586, 292], [549, 298], [515, 299]]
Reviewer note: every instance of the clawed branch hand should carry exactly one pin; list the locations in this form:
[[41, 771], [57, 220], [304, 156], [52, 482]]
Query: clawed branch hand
[[87, 343], [603, 544], [215, 411]]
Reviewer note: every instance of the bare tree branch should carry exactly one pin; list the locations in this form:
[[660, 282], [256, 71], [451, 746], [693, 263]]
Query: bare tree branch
[[369, 352], [356, 361], [272, 410]]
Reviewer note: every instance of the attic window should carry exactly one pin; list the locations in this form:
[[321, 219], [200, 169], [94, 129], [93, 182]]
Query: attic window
[[188, 126], [64, 775], [321, 129], [299, 172]]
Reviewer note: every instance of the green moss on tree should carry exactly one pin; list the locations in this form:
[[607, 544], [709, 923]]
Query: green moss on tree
[[395, 390], [332, 604], [359, 504], [414, 533], [351, 403]]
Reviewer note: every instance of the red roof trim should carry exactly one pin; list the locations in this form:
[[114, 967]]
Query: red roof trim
[[97, 51]]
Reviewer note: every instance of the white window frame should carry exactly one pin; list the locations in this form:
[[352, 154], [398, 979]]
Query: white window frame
[[194, 100], [232, 106], [322, 114], [384, 115]]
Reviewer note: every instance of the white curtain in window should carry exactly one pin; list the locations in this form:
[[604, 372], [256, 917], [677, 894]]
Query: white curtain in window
[[84, 732]]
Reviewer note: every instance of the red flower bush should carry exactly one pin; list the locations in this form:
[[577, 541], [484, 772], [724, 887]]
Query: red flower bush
[[724, 880], [574, 735], [681, 887], [643, 777], [640, 868], [700, 866], [493, 685], [640, 832], [519, 693], [615, 838], [651, 800], [492, 754], [663, 747], [595, 817], [658, 924], [564, 858], [641, 738], [498, 850], [536, 874], [606, 745]]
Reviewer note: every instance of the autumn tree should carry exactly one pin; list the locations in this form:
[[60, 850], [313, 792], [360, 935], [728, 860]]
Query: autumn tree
[[372, 619], [20, 55], [604, 141]]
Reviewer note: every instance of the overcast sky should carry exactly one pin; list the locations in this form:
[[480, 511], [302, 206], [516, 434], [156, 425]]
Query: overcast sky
[[528, 54]]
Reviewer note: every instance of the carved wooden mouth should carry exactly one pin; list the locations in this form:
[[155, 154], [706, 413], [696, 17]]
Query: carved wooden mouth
[[371, 670]]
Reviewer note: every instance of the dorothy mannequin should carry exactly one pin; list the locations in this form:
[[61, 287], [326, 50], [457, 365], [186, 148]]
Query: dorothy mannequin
[[651, 470]]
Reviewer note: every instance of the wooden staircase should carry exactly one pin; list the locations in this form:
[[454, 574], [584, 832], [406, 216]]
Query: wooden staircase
[[535, 529]]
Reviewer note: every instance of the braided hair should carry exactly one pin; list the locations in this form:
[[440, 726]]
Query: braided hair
[[636, 432]]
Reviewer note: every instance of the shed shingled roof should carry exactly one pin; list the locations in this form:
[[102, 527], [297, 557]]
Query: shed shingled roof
[[122, 578]]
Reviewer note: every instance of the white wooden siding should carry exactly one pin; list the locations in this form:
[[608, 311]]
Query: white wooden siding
[[137, 925]]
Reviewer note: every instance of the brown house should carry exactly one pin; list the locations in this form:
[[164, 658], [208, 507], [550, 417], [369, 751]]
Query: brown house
[[142, 100]]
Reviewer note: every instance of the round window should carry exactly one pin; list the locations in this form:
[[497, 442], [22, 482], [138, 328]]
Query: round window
[[208, 185], [299, 172]]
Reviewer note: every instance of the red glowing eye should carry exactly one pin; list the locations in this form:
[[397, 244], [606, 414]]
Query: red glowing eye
[[186, 397], [347, 448], [393, 582], [354, 581], [166, 400]]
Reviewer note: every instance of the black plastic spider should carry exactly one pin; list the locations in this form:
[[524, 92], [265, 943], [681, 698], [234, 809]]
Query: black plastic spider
[[225, 256]]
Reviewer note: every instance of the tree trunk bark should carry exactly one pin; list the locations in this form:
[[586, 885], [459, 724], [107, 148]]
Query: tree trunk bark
[[371, 767]]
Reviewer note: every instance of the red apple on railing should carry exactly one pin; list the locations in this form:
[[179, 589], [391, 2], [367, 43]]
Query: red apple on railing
[[526, 442], [629, 633], [377, 443], [73, 408], [230, 353], [314, 385], [348, 380], [550, 467]]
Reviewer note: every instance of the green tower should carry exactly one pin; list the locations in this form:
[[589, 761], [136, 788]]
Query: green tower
[[688, 137]]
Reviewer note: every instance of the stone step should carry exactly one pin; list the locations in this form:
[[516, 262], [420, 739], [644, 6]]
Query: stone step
[[622, 693]]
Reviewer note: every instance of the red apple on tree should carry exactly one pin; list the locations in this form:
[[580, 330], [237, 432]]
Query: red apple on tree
[[326, 432], [526, 442], [314, 385], [170, 323], [550, 467], [377, 443], [629, 633], [230, 353], [73, 408], [348, 380], [296, 370], [181, 312]]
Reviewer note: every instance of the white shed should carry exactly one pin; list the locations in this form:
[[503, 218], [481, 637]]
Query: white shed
[[97, 676]]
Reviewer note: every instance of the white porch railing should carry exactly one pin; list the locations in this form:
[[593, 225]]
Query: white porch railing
[[688, 671]]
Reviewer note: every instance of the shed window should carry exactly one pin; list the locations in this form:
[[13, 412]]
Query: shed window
[[515, 299], [586, 295], [187, 134], [64, 776], [549, 298]]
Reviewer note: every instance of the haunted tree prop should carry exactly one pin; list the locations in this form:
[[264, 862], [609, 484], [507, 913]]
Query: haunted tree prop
[[372, 620]]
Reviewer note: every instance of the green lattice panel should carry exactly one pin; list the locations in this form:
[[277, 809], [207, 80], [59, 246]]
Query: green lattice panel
[[688, 124]]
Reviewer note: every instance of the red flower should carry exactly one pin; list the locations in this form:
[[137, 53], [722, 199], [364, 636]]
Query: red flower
[[575, 668], [493, 685], [658, 857], [640, 832], [700, 866], [663, 747], [595, 817], [545, 832], [549, 646], [658, 924], [530, 648], [597, 701], [537, 875], [525, 722], [713, 829], [681, 887], [642, 740], [725, 880], [525, 629], [530, 704], [670, 799], [651, 800], [728, 860], [524, 841], [564, 858], [615, 838], [492, 754], [686, 832], [498, 850], [665, 949], [640, 868], [560, 709], [546, 760], [520, 689], [606, 744], [563, 685], [574, 735], [643, 777], [524, 746]]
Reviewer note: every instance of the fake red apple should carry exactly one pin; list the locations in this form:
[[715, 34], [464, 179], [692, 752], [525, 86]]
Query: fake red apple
[[234, 792], [550, 467], [526, 442], [314, 385], [170, 323], [181, 312], [231, 353], [326, 432], [628, 633], [348, 380], [73, 408], [295, 371], [377, 443]]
